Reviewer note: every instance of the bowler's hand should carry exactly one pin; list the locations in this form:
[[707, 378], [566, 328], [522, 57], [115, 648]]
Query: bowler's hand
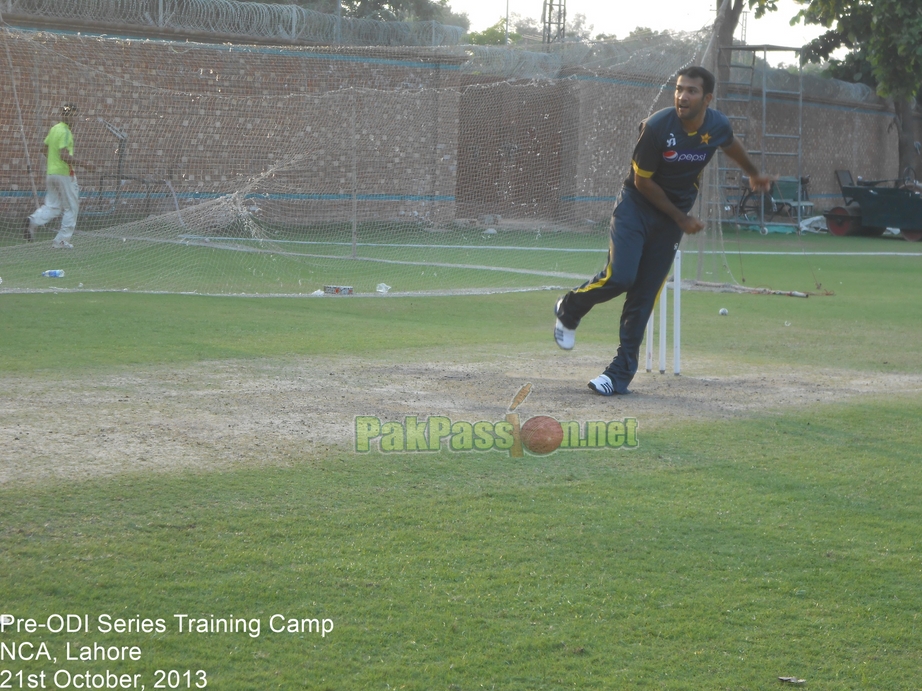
[[691, 225], [761, 183]]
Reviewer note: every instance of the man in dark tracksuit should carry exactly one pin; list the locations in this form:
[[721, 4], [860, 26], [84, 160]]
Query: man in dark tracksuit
[[651, 214]]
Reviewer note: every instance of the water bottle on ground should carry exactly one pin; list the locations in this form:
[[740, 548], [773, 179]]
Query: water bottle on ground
[[53, 273]]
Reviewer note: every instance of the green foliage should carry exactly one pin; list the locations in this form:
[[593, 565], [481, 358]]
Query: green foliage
[[644, 32], [853, 67], [528, 29], [493, 36], [577, 29], [885, 34], [452, 18], [884, 39], [760, 6], [395, 10], [527, 26]]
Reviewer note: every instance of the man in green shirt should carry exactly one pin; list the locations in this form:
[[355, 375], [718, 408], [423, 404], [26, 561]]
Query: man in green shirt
[[62, 194]]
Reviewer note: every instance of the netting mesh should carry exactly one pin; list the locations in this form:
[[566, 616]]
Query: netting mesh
[[814, 86], [649, 60], [258, 170], [345, 152]]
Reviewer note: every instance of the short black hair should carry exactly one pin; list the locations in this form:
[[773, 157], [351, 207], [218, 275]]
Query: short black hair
[[698, 72]]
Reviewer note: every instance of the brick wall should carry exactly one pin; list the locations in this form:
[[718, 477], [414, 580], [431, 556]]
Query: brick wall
[[296, 124], [420, 138]]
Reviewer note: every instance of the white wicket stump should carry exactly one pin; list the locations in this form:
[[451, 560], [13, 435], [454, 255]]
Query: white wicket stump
[[676, 322]]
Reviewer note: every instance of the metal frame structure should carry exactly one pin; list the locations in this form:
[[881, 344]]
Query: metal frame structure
[[554, 21], [771, 153]]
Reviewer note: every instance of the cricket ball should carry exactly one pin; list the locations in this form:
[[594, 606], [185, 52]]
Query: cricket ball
[[723, 312], [541, 434]]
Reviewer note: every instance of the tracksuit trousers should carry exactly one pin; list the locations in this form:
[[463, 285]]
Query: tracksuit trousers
[[641, 249], [62, 194]]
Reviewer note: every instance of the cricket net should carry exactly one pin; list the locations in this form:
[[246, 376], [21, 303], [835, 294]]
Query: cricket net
[[279, 170]]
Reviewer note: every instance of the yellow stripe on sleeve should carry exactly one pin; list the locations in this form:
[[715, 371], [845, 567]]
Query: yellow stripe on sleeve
[[640, 171]]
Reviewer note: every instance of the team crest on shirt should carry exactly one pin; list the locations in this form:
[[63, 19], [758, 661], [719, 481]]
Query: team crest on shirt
[[706, 138]]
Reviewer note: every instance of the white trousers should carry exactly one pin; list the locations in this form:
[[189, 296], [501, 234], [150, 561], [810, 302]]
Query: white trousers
[[61, 194]]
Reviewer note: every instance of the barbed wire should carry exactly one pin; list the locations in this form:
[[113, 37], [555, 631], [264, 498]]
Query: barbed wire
[[259, 21], [644, 56]]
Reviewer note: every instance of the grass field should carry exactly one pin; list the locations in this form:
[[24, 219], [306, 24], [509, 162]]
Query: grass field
[[776, 534], [157, 255]]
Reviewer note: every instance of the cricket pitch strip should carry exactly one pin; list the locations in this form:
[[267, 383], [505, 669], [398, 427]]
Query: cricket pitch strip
[[224, 414]]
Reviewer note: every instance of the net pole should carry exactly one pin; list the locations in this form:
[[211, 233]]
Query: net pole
[[22, 127], [355, 203], [710, 199], [650, 342], [676, 313], [664, 299]]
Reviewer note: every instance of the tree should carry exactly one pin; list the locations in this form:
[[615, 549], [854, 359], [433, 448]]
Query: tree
[[452, 18], [493, 36], [577, 30], [644, 32], [525, 25], [397, 10], [529, 29], [885, 50], [727, 21], [884, 40]]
